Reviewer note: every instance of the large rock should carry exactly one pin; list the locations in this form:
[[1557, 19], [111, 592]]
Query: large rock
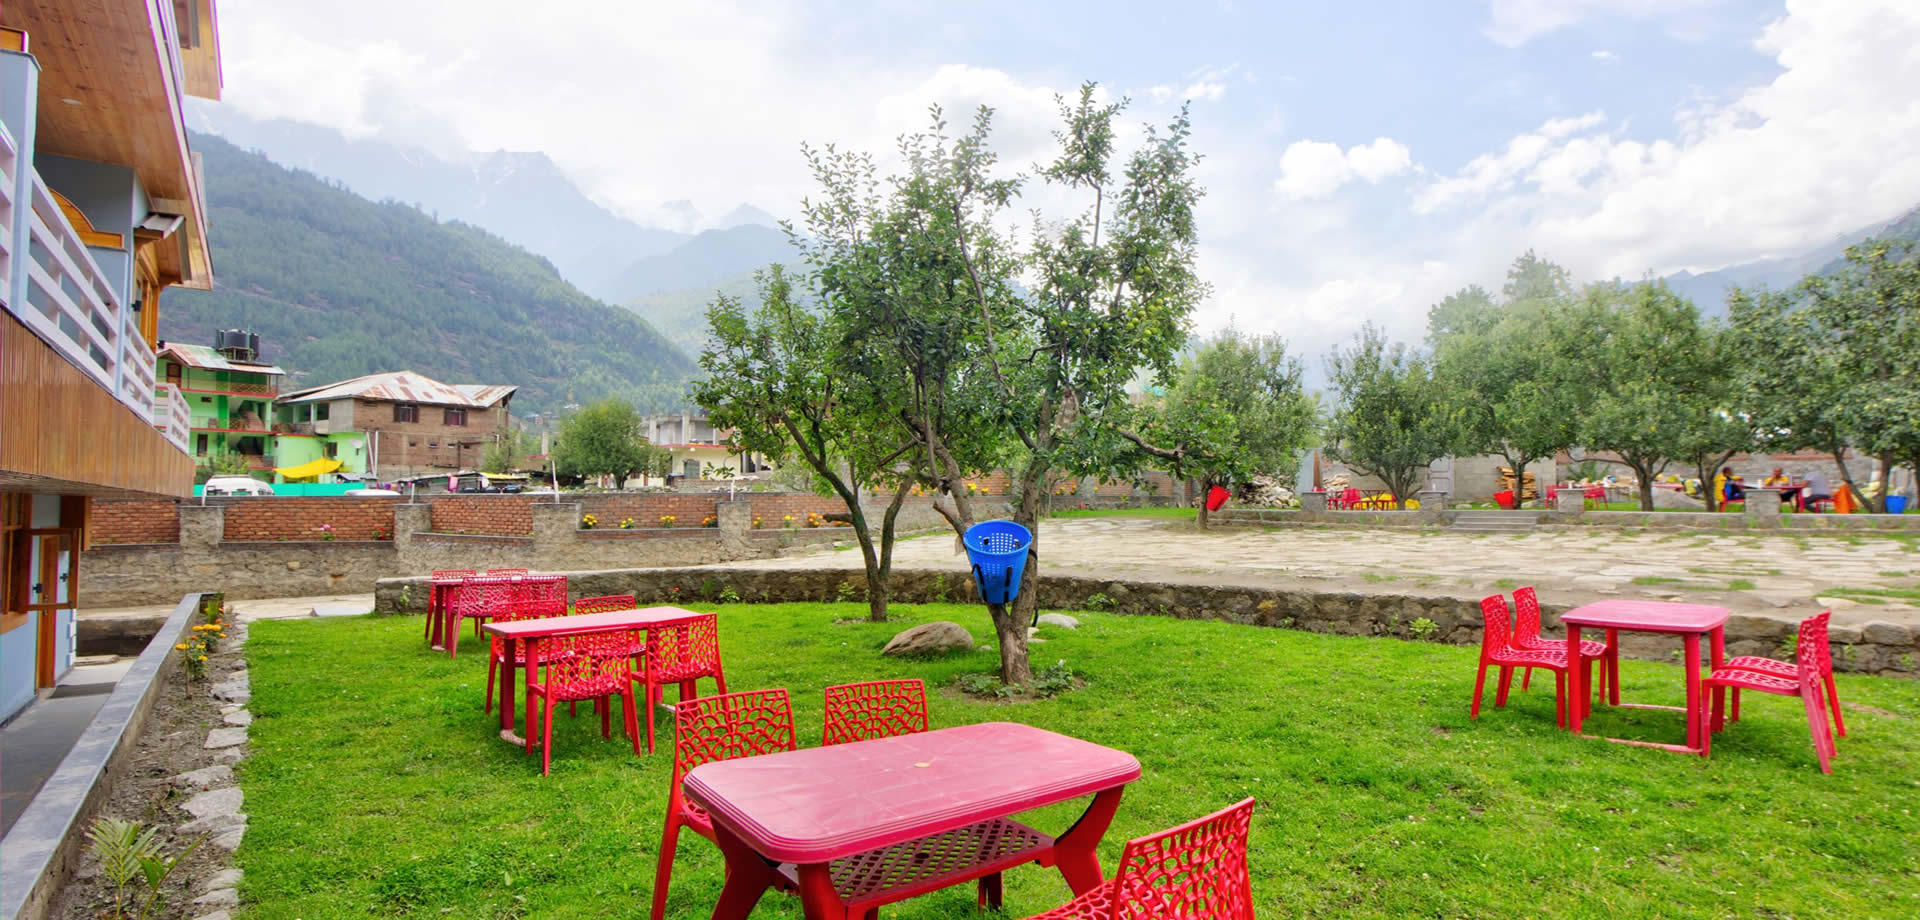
[[225, 801], [1059, 619], [936, 638]]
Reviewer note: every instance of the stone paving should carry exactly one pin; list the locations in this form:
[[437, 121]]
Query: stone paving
[[1783, 576]]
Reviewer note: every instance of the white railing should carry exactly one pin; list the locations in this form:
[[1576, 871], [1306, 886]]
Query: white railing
[[67, 301], [136, 372], [9, 173], [172, 416], [63, 296]]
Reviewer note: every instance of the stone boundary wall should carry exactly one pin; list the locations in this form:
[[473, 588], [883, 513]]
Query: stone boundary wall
[[117, 575], [1876, 648], [45, 844], [1551, 520]]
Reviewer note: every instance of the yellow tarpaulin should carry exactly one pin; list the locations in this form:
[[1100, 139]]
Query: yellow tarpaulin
[[309, 469]]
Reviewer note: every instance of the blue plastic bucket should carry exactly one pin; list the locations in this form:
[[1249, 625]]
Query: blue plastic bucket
[[1896, 504], [998, 551]]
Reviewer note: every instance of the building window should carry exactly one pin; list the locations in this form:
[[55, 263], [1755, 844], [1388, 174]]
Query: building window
[[406, 413], [206, 399], [456, 418], [173, 373], [200, 445], [333, 450], [320, 412]]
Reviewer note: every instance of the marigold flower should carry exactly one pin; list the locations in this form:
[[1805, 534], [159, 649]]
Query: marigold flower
[[181, 646]]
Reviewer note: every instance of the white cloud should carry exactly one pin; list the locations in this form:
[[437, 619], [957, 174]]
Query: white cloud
[[1316, 169], [1604, 56], [1516, 22], [1830, 145]]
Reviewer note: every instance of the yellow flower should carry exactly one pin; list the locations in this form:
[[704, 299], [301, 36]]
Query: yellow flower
[[182, 645], [203, 657]]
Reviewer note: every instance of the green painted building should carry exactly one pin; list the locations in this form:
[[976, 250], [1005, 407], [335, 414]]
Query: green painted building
[[229, 395]]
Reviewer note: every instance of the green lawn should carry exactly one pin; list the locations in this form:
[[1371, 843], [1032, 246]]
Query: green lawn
[[378, 788]]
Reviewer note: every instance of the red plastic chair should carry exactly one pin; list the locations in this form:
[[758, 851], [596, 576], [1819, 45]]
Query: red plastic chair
[[527, 601], [506, 571], [1805, 684], [1348, 500], [1526, 636], [874, 709], [607, 603], [497, 573], [1822, 662], [436, 600], [1197, 871], [585, 666], [481, 597], [682, 654], [715, 728], [1496, 650]]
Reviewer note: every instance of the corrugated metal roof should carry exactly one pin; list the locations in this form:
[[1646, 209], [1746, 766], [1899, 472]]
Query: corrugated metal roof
[[205, 358], [405, 386]]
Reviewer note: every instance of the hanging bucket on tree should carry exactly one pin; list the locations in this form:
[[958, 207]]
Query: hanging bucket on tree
[[998, 551]]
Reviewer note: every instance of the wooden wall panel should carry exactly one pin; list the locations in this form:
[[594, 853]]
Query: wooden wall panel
[[61, 432]]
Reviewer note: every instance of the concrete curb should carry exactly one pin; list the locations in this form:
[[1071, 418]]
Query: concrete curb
[[43, 844]]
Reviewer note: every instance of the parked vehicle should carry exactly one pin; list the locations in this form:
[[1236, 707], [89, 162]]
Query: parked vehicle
[[236, 485]]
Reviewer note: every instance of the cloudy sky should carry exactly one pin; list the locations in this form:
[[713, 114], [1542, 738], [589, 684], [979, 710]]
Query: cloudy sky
[[1361, 160]]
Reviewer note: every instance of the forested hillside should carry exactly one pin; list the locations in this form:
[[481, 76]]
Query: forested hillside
[[338, 286]]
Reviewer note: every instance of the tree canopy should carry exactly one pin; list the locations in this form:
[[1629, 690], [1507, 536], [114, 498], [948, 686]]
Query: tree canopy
[[603, 439]]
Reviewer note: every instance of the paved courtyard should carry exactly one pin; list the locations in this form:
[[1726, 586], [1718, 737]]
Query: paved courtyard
[[1863, 577]]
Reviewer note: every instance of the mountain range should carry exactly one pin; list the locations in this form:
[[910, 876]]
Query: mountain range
[[338, 286], [1708, 290], [522, 197]]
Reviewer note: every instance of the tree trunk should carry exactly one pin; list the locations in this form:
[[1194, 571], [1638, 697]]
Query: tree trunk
[[1206, 494], [876, 579], [1886, 483], [1645, 484], [1011, 624]]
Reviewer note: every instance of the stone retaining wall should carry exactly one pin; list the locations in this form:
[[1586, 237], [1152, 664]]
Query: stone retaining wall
[[1879, 648]]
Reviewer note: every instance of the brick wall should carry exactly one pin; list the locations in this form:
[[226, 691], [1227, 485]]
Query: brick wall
[[491, 515], [133, 522], [428, 445], [302, 518]]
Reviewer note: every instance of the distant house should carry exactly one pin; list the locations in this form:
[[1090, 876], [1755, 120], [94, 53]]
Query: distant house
[[405, 424], [229, 394], [695, 443]]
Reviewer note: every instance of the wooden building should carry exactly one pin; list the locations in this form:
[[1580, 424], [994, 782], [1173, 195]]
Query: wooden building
[[101, 210]]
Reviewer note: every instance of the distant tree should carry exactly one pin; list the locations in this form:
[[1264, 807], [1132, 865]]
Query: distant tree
[[1641, 366], [603, 439], [1719, 405], [1236, 408], [507, 450], [1496, 362], [1866, 316], [222, 463], [1798, 386], [774, 377], [1392, 418]]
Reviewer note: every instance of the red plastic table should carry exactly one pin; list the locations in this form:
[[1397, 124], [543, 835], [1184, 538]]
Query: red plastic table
[[437, 590], [1688, 621], [532, 631], [813, 806]]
